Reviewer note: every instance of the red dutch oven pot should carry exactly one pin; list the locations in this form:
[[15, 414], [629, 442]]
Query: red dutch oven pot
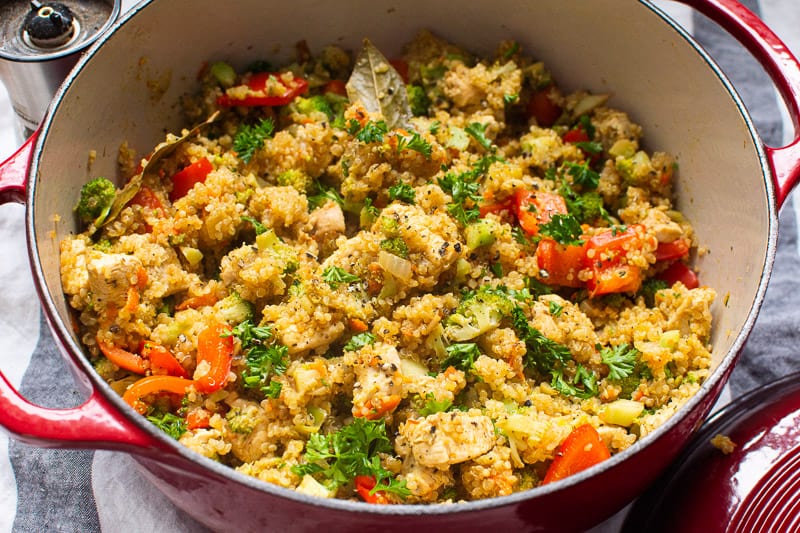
[[730, 186]]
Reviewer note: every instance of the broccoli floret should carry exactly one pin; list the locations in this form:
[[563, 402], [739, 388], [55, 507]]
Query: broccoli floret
[[97, 197], [242, 420], [478, 314], [234, 309], [297, 179], [270, 242], [418, 100], [314, 105], [635, 169]]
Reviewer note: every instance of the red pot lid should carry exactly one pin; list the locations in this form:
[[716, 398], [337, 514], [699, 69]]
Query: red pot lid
[[754, 487]]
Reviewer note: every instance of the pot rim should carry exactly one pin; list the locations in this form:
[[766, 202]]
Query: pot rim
[[712, 385]]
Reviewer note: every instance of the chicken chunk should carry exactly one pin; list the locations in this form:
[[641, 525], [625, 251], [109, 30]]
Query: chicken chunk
[[110, 277], [379, 381], [443, 439]]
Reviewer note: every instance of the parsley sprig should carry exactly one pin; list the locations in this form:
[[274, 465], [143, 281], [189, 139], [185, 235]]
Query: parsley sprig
[[250, 138], [335, 276], [403, 192], [171, 424], [337, 458], [621, 360], [263, 359], [461, 356], [564, 229]]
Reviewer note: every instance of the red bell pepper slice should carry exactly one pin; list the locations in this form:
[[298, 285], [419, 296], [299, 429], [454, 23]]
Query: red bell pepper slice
[[147, 198], [669, 251], [604, 256], [575, 135], [335, 87], [266, 89], [214, 357], [582, 449], [184, 180], [534, 208], [364, 486], [680, 272], [543, 108], [154, 385], [198, 419], [561, 263]]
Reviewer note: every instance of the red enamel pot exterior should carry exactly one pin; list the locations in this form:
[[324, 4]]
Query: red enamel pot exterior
[[731, 186]]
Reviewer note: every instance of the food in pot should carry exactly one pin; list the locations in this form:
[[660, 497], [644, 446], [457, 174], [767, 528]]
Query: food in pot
[[432, 279]]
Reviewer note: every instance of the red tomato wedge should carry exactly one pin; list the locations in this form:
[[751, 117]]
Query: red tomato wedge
[[266, 89], [214, 356], [669, 251], [561, 263], [184, 180], [680, 272], [534, 208], [543, 108], [581, 449], [604, 256]]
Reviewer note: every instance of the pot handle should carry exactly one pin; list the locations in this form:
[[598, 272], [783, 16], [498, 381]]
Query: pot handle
[[782, 67], [14, 172], [95, 424]]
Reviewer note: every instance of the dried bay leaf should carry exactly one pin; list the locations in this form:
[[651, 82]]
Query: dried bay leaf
[[377, 85]]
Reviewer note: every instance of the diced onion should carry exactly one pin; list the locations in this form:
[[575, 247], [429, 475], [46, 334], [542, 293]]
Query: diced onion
[[395, 265]]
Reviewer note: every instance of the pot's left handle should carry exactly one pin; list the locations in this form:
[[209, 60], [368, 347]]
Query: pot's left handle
[[14, 172], [95, 424]]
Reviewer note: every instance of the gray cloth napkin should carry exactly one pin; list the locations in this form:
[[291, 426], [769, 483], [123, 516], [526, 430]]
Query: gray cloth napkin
[[56, 490]]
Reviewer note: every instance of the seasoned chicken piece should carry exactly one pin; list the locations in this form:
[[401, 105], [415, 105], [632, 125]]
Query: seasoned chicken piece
[[425, 483], [110, 277], [443, 439], [379, 381], [327, 223]]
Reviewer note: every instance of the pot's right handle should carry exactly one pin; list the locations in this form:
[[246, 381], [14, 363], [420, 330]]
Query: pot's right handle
[[782, 67]]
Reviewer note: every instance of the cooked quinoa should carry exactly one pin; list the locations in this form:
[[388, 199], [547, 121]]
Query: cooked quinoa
[[412, 293]]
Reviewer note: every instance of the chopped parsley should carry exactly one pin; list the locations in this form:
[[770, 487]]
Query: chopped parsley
[[324, 193], [372, 132], [357, 342], [555, 308], [337, 458], [432, 405], [461, 356], [414, 142], [403, 192], [262, 358], [171, 424], [257, 226], [478, 132], [583, 384], [582, 175], [335, 275], [250, 138], [621, 360], [564, 229]]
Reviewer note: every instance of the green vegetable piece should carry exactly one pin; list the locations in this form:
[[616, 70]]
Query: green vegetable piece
[[564, 229], [477, 314], [171, 424], [403, 192], [461, 356], [296, 178], [354, 450], [621, 360], [97, 197], [314, 104], [223, 73], [482, 232], [335, 275], [478, 132], [250, 138], [418, 100], [357, 342], [396, 246], [234, 309]]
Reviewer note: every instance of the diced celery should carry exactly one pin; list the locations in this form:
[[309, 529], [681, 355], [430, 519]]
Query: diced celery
[[412, 369], [312, 487], [192, 255], [623, 148], [458, 139]]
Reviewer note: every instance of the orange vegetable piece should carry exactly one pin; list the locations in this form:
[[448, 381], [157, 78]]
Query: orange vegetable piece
[[154, 385], [215, 353], [581, 449], [123, 358]]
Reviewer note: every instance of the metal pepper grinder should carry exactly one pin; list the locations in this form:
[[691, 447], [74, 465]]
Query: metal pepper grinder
[[40, 42]]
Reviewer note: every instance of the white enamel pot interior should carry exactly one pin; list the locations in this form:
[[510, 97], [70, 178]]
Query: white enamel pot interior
[[128, 88]]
